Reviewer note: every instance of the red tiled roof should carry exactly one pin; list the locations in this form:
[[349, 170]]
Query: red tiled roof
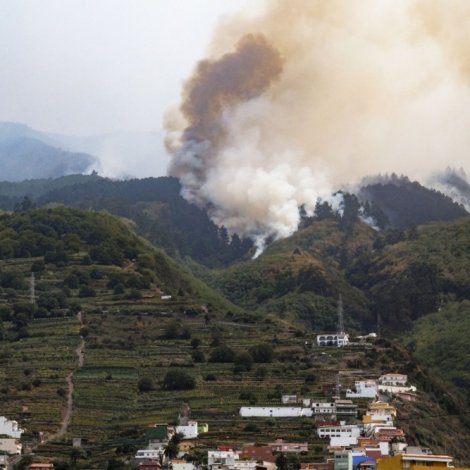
[[258, 453]]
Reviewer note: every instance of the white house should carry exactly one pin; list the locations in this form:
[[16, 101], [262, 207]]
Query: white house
[[363, 389], [217, 459], [340, 435], [10, 428], [337, 339], [188, 430], [177, 464], [274, 412], [393, 379], [245, 465], [152, 454], [323, 408], [395, 389]]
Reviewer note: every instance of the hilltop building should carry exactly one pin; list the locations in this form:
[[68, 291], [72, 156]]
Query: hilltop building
[[393, 379], [341, 338]]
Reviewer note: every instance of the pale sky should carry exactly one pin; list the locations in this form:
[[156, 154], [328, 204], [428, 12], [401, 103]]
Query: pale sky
[[98, 66]]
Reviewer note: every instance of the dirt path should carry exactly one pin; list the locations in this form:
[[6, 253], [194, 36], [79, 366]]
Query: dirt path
[[80, 352]]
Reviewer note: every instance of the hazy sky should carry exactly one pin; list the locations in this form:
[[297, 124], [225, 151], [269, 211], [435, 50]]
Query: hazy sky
[[96, 66]]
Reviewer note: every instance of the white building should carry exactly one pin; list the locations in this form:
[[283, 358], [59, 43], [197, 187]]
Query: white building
[[217, 459], [189, 430], [323, 408], [274, 412], [10, 428], [177, 464], [341, 435], [245, 465], [363, 389], [394, 389], [393, 379], [152, 454], [337, 339]]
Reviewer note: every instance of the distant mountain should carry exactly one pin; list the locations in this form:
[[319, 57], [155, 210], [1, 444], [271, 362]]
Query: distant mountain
[[23, 158], [13, 131], [122, 154], [118, 154], [406, 203], [454, 183]]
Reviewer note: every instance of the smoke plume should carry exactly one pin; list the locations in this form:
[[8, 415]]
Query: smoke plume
[[311, 95]]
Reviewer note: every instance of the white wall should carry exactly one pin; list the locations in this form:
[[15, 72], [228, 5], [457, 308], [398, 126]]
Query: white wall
[[274, 412]]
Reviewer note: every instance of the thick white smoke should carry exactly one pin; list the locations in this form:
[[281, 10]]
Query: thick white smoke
[[315, 94]]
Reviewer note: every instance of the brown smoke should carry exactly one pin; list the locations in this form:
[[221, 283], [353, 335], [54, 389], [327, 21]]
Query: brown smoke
[[218, 85], [365, 87]]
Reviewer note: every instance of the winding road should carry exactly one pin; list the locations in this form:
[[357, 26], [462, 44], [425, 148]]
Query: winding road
[[80, 352]]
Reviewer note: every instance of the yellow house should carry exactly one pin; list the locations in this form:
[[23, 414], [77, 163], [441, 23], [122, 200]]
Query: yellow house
[[202, 427], [416, 462], [381, 407]]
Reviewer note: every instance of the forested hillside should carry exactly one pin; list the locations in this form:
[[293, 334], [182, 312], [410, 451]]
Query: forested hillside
[[440, 341], [406, 203], [161, 215]]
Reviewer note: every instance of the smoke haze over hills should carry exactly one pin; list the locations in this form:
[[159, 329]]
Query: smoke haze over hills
[[357, 88]]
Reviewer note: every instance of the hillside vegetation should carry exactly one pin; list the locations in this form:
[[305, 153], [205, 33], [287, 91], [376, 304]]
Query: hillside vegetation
[[406, 203], [440, 341], [136, 343], [161, 215]]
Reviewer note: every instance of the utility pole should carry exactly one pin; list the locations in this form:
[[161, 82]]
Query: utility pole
[[338, 386], [32, 290], [340, 316]]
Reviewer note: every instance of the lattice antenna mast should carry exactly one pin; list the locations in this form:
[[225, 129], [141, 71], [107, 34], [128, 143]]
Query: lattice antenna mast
[[340, 316], [338, 386], [32, 289]]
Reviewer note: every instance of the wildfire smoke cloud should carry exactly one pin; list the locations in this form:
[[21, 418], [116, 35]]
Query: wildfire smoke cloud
[[309, 95]]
